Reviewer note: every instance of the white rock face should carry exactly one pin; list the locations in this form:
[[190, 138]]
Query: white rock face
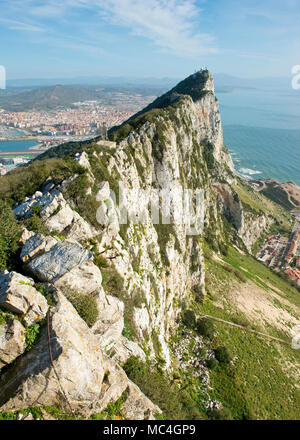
[[79, 229], [103, 192], [12, 341], [83, 160], [61, 220], [18, 295], [110, 323]]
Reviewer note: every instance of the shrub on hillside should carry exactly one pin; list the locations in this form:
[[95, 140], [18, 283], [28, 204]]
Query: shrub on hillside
[[222, 355], [220, 414], [176, 403], [189, 319], [206, 328], [211, 363], [10, 232], [85, 305]]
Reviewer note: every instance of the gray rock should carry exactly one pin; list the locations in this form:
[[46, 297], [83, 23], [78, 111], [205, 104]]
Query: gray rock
[[62, 258], [12, 341], [61, 220], [85, 279], [137, 406], [79, 229], [123, 349], [78, 362], [36, 245], [18, 295], [110, 324]]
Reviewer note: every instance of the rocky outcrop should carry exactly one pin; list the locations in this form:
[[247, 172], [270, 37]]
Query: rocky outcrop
[[75, 379], [85, 278], [18, 295], [78, 363], [55, 212], [59, 260], [141, 260]]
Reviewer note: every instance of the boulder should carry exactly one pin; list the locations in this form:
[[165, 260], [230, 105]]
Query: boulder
[[18, 295], [78, 363], [79, 229], [61, 259], [36, 245], [12, 341], [24, 209], [61, 220], [83, 160], [86, 278], [137, 406], [123, 349], [25, 235]]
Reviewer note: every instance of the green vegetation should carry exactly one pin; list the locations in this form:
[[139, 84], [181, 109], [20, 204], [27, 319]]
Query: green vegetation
[[85, 305], [258, 378], [177, 402], [48, 295], [208, 155], [189, 319], [278, 195], [113, 411], [10, 232], [35, 223], [32, 335], [26, 180], [166, 234], [257, 204], [222, 355], [205, 327]]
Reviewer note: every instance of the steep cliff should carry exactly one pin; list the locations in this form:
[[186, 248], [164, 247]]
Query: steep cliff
[[128, 225]]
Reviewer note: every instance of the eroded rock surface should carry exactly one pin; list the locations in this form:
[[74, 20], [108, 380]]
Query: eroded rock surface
[[12, 341], [18, 295]]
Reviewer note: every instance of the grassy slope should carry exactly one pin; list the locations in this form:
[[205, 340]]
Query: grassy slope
[[258, 383], [257, 203]]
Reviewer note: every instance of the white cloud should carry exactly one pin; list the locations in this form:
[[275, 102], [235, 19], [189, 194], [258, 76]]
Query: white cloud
[[170, 24], [21, 26]]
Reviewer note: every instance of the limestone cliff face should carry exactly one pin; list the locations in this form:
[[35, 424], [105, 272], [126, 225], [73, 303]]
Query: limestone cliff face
[[143, 266]]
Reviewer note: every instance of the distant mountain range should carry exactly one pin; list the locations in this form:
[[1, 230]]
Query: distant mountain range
[[49, 98]]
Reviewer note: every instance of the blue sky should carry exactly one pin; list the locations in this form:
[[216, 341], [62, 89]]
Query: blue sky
[[160, 38]]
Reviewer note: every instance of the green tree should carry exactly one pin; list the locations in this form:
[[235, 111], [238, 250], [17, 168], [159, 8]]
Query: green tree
[[10, 232]]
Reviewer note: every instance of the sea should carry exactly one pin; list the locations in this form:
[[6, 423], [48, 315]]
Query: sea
[[22, 145], [262, 132]]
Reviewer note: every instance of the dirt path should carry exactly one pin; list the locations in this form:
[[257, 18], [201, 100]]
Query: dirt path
[[246, 329]]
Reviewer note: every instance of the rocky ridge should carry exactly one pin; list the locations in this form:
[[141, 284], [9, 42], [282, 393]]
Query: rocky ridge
[[141, 275]]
